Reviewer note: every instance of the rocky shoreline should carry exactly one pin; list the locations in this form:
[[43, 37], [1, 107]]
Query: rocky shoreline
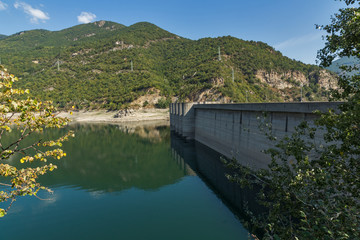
[[122, 116]]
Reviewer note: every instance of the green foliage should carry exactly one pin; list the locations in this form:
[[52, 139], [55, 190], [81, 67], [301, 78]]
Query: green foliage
[[95, 65], [22, 116], [342, 39], [312, 189], [163, 103]]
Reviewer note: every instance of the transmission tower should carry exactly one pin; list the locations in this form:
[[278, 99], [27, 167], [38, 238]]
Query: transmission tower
[[219, 53], [233, 74], [58, 65]]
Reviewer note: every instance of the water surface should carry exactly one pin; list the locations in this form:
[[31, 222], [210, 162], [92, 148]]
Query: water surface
[[122, 183]]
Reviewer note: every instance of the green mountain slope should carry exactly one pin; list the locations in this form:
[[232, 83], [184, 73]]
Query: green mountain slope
[[2, 36], [105, 64], [345, 61]]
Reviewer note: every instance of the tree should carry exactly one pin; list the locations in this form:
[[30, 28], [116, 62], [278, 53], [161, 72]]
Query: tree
[[312, 190], [20, 117]]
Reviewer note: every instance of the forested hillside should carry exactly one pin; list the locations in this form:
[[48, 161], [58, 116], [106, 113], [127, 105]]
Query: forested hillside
[[108, 65], [345, 61]]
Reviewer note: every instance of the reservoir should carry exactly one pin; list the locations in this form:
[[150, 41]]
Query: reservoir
[[128, 182]]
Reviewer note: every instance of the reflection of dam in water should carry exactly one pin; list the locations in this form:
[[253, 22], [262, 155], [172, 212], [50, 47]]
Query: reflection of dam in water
[[196, 158]]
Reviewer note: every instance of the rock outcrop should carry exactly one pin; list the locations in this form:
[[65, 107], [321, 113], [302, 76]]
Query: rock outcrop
[[281, 80], [327, 80], [124, 113], [289, 79]]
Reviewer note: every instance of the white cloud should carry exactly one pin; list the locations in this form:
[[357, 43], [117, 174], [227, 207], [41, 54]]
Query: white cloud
[[3, 6], [86, 17], [293, 42], [35, 14]]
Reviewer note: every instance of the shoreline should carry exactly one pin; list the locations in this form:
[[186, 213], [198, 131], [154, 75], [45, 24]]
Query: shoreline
[[105, 116]]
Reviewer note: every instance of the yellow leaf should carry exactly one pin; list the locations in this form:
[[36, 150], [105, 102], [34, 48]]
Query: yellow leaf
[[2, 212]]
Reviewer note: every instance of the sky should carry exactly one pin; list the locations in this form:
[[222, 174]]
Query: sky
[[286, 25]]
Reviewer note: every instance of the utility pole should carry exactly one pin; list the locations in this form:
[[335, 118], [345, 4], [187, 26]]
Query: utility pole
[[132, 66], [58, 65], [301, 92], [247, 96], [219, 53], [233, 74]]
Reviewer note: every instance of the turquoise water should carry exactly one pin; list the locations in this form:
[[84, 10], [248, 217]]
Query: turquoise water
[[122, 183]]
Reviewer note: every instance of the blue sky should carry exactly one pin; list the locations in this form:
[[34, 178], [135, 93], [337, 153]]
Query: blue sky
[[287, 25]]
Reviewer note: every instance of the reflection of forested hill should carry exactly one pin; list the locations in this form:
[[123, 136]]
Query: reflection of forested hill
[[106, 64], [104, 158]]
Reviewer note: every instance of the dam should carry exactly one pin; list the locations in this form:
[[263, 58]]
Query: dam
[[235, 130]]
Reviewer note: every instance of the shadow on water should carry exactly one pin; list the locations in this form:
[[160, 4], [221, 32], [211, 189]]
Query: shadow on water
[[203, 161]]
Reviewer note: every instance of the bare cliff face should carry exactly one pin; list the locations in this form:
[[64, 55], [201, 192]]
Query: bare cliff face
[[290, 79], [327, 80], [280, 80]]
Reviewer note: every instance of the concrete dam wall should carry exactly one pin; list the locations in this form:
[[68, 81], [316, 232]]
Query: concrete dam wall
[[234, 130]]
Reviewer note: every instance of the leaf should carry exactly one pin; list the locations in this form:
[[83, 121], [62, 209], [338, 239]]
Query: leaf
[[2, 212]]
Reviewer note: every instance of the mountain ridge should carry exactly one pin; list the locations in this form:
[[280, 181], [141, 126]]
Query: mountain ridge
[[345, 61], [110, 65]]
